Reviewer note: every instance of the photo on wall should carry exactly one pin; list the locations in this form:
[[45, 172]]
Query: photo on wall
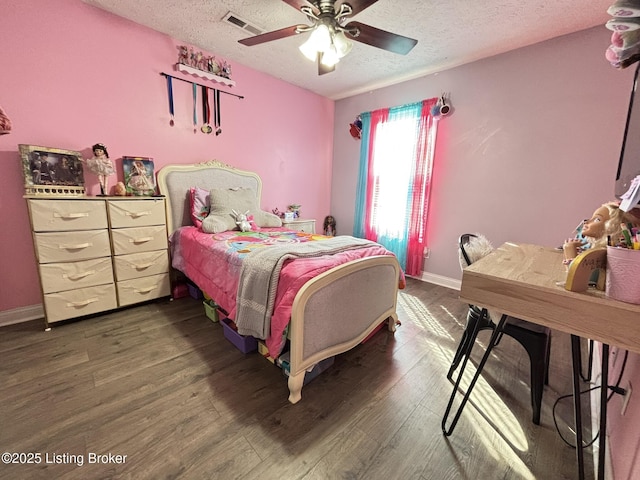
[[139, 176]]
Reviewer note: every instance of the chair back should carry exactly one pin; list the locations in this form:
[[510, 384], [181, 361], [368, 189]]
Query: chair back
[[472, 247]]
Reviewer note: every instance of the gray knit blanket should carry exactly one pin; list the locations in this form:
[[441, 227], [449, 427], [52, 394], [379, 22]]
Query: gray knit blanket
[[260, 272]]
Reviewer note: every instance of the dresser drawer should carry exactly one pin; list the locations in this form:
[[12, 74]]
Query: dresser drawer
[[307, 226], [136, 240], [65, 215], [141, 264], [145, 288], [136, 213], [72, 246], [57, 277], [79, 302]]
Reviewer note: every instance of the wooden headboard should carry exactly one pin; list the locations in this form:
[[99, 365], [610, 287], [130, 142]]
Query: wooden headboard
[[174, 181]]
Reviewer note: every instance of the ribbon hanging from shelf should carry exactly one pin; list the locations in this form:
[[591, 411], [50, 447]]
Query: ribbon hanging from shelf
[[170, 93], [206, 111]]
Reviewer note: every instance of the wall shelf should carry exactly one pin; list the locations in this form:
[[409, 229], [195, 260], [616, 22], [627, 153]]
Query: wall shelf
[[180, 67]]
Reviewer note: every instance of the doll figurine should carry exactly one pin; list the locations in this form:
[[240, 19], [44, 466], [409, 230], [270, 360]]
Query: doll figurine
[[102, 166], [604, 225]]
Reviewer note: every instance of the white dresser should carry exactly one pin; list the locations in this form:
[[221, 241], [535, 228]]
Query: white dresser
[[301, 225], [99, 253]]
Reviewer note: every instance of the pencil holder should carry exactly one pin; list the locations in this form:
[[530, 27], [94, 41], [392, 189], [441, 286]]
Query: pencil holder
[[623, 274]]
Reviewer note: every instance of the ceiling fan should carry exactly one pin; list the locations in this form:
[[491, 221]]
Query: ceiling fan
[[330, 35]]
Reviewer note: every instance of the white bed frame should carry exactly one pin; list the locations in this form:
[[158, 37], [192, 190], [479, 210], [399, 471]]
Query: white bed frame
[[332, 313]]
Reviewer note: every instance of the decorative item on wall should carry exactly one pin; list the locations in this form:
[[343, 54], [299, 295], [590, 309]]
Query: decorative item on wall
[[139, 177], [205, 66], [206, 110], [51, 171], [5, 123], [442, 108], [355, 128], [625, 39], [102, 166]]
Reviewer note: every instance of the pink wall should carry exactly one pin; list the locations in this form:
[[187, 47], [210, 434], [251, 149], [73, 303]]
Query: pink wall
[[74, 75]]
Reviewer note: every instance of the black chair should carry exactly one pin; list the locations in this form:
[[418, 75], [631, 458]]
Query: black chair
[[535, 339]]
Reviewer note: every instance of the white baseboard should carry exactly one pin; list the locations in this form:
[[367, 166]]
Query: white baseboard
[[22, 314], [441, 280]]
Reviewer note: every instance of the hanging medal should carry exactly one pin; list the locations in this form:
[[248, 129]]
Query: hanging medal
[[206, 113], [195, 107], [170, 92], [216, 115]]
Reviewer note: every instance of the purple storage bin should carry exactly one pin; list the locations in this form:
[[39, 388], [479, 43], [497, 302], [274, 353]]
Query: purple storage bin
[[195, 292], [246, 344]]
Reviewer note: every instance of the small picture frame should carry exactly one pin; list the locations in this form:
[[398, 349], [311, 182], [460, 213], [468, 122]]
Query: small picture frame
[[139, 176], [52, 171]]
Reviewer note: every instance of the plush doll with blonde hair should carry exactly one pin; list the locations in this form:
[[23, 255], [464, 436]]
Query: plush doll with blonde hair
[[604, 225]]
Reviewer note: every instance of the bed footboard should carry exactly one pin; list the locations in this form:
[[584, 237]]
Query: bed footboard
[[337, 310]]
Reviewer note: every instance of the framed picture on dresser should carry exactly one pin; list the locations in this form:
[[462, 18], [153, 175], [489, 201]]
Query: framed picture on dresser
[[51, 171], [139, 176]]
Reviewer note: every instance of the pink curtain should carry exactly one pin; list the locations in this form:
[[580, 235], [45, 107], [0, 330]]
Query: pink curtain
[[421, 189], [378, 117]]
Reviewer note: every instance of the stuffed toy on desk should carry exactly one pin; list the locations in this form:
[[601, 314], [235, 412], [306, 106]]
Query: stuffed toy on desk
[[604, 226]]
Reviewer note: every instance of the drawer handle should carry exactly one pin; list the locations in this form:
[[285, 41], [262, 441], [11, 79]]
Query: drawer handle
[[79, 276], [142, 266], [74, 246], [137, 214], [84, 303], [141, 239], [146, 289], [71, 215]]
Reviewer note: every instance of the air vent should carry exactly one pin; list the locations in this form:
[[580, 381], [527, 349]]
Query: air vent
[[242, 24]]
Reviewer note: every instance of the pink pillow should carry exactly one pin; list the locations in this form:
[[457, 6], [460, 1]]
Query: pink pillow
[[199, 205]]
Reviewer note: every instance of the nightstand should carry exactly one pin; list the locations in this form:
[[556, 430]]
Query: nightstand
[[301, 225]]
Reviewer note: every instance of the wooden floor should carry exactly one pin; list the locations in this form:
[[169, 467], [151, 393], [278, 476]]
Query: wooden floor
[[160, 384]]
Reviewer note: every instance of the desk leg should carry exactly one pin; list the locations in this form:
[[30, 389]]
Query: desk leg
[[577, 407], [604, 393]]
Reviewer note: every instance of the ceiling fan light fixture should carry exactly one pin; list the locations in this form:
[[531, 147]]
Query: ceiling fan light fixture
[[319, 41], [308, 51], [330, 57], [342, 44]]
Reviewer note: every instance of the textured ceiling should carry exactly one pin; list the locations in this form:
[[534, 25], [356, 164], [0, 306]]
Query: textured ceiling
[[449, 33]]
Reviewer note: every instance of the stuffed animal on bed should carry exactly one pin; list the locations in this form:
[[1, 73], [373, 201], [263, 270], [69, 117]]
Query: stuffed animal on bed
[[242, 220]]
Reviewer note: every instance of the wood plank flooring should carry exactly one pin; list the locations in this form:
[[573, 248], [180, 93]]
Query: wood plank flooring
[[160, 384]]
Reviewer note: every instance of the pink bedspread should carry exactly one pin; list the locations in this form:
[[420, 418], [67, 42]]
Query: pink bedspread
[[213, 262]]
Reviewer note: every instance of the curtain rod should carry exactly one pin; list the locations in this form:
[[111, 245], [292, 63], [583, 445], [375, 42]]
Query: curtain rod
[[188, 81]]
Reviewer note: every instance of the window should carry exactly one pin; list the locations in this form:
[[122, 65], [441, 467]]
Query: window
[[396, 158]]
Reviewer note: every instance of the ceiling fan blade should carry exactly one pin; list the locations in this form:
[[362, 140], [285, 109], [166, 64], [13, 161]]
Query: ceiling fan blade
[[270, 36], [356, 5], [297, 4], [379, 38]]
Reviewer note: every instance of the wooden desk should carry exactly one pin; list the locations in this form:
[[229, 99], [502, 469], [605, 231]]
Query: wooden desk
[[526, 281], [522, 281]]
